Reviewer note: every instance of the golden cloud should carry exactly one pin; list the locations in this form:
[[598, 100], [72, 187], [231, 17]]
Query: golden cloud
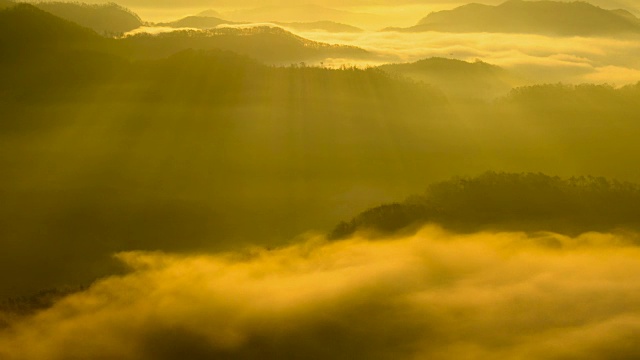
[[541, 58], [432, 295]]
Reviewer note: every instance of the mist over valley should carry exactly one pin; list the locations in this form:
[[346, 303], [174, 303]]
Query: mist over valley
[[275, 181]]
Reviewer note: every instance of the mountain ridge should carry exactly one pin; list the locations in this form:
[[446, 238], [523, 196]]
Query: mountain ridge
[[547, 17], [105, 19], [210, 22], [457, 78], [272, 45]]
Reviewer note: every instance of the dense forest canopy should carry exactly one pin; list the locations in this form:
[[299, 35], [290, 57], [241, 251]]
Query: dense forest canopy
[[510, 201]]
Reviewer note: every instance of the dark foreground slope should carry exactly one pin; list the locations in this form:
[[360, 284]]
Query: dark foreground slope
[[266, 44], [536, 17], [25, 26], [202, 149]]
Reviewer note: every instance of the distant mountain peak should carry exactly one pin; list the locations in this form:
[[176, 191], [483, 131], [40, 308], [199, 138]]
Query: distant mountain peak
[[209, 13], [576, 18]]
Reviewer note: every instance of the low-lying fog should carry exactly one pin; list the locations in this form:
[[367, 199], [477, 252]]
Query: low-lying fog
[[432, 295]]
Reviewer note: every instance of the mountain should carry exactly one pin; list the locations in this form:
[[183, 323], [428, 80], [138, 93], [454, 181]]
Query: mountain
[[268, 44], [165, 143], [111, 145], [103, 18], [207, 147], [198, 22], [49, 53], [630, 5], [37, 28], [459, 79], [536, 17], [510, 202]]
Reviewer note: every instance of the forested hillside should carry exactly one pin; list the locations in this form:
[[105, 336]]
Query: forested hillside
[[509, 202]]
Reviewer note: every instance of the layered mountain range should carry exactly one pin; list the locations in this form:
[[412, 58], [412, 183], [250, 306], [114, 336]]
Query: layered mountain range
[[540, 17]]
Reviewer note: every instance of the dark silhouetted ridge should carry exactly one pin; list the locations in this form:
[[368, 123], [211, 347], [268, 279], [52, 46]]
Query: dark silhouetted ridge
[[25, 26], [268, 44], [458, 78], [108, 19], [45, 56], [513, 202], [542, 17]]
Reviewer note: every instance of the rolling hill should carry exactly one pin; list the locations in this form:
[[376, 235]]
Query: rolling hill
[[198, 22], [458, 79], [267, 44], [170, 143], [271, 45], [38, 28], [105, 19], [328, 26], [536, 17], [509, 202], [109, 145], [209, 22]]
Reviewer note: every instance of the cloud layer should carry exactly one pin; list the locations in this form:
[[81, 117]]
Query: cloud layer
[[432, 295], [537, 58]]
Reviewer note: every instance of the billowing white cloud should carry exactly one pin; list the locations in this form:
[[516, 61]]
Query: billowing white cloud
[[431, 295]]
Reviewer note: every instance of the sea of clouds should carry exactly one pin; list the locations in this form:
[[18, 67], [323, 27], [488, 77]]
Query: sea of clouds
[[434, 294]]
